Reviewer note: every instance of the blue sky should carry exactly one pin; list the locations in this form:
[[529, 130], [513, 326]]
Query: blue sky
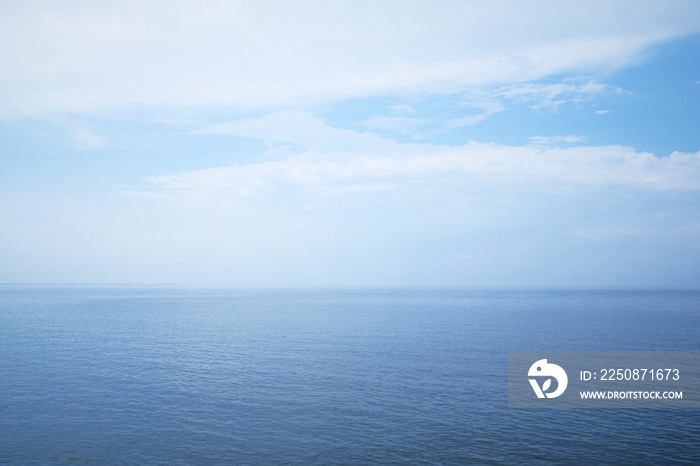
[[351, 143]]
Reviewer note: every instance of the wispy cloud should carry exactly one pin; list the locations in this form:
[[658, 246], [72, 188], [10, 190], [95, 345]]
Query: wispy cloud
[[553, 96], [554, 140], [476, 105], [402, 109], [479, 104], [332, 160], [85, 139], [397, 124], [90, 57], [421, 128]]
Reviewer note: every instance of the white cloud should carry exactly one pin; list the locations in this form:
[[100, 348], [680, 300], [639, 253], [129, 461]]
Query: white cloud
[[250, 55], [420, 128], [487, 101], [483, 101], [465, 121], [553, 96], [402, 109], [331, 160], [87, 140]]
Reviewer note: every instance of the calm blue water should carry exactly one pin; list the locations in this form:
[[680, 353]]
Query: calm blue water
[[182, 376]]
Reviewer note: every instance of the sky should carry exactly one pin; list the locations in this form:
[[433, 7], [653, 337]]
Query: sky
[[351, 143]]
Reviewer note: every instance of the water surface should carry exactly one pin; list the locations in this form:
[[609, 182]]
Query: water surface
[[185, 376]]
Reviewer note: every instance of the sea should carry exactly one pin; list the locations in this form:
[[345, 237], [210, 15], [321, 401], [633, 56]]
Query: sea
[[177, 375]]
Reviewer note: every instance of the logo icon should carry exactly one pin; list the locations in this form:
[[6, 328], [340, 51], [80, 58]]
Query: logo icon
[[542, 369]]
